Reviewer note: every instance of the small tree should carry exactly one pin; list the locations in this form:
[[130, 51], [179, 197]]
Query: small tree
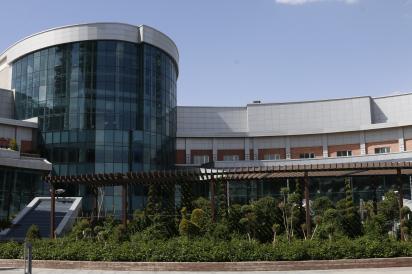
[[199, 218], [331, 223], [351, 220], [33, 233], [248, 222], [186, 227]]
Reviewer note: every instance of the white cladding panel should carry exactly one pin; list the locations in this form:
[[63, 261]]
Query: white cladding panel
[[270, 142], [230, 143], [5, 77], [201, 143], [392, 109], [309, 117], [84, 32], [343, 138], [24, 134], [180, 143], [306, 141], [210, 121], [407, 132], [7, 132], [389, 134]]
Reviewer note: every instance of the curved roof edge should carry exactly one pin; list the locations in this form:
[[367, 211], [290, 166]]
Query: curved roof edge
[[90, 31]]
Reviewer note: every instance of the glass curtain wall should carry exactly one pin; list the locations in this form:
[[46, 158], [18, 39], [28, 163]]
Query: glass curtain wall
[[103, 106]]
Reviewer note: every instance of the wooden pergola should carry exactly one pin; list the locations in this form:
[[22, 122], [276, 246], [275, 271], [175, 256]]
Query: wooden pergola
[[210, 175]]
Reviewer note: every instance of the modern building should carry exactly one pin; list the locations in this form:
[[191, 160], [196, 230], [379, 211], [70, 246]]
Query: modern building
[[20, 169], [360, 129], [104, 95], [101, 98]]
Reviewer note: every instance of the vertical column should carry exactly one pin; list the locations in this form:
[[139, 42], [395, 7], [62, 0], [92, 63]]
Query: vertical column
[[124, 205], [247, 149], [212, 197], [287, 141], [307, 206], [95, 192], [52, 211], [362, 143], [401, 140], [325, 146], [214, 148], [255, 149], [400, 189], [187, 151]]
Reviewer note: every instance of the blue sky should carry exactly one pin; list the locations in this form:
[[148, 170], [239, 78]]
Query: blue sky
[[236, 51]]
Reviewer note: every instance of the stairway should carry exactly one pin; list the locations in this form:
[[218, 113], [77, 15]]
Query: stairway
[[38, 213]]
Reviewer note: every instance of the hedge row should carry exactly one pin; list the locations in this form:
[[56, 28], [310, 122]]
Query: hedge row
[[206, 250]]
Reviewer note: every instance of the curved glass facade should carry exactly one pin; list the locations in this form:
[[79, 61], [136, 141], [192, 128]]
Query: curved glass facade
[[103, 106]]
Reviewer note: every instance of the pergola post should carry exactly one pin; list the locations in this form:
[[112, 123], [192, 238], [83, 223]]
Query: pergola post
[[307, 206], [400, 189], [52, 211], [124, 205], [375, 195], [212, 198], [95, 192]]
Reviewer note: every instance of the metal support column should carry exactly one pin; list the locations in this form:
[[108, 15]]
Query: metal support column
[[124, 205], [212, 198], [307, 206], [52, 211], [400, 188]]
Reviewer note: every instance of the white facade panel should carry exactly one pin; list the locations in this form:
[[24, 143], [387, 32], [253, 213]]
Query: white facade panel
[[7, 132], [381, 135], [407, 132], [392, 109], [306, 141], [201, 143], [84, 32], [180, 143], [309, 117], [210, 121], [230, 143], [270, 142], [343, 138]]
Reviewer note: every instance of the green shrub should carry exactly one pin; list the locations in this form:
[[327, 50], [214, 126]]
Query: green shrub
[[200, 219], [188, 229], [203, 249], [33, 233]]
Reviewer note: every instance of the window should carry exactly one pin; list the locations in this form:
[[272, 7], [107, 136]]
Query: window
[[380, 150], [271, 157], [200, 159], [307, 155], [231, 158], [344, 153]]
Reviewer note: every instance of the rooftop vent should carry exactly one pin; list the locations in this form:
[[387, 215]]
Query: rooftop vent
[[257, 102]]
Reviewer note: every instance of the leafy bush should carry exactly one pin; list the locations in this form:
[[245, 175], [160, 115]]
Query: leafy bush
[[183, 249], [33, 233]]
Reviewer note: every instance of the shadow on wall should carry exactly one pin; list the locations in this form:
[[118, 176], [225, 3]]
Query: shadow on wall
[[378, 116]]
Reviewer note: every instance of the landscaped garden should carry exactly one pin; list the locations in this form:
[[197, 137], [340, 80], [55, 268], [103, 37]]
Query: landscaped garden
[[264, 230]]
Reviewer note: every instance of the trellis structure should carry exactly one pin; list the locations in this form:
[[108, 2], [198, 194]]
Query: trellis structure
[[193, 175]]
